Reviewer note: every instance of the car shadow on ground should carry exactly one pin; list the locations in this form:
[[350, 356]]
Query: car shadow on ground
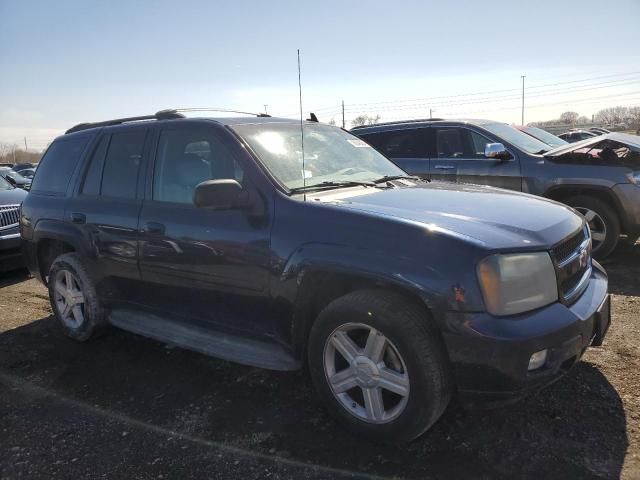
[[623, 268], [12, 277], [276, 413]]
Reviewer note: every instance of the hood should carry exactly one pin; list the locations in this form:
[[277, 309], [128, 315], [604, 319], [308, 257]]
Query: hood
[[495, 218], [12, 197], [631, 141]]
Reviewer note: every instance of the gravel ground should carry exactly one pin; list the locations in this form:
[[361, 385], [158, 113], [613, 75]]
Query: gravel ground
[[127, 407]]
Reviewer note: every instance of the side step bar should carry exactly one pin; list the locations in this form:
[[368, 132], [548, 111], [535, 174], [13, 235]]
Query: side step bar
[[247, 351]]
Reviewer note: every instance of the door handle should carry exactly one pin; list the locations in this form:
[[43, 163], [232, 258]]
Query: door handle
[[153, 228], [444, 167], [79, 218]]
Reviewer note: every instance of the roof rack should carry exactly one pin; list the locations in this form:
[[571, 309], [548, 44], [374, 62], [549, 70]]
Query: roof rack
[[161, 115], [400, 122], [168, 114]]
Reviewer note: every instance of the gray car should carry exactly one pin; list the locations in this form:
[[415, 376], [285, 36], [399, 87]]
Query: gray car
[[599, 176]]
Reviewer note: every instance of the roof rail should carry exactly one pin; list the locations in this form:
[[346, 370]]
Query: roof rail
[[161, 115], [400, 122], [168, 114], [214, 109]]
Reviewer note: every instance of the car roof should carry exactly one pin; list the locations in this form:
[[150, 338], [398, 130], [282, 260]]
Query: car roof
[[403, 124]]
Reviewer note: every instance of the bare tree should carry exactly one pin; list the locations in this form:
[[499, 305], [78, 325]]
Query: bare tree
[[332, 122], [365, 120], [612, 115], [569, 117]]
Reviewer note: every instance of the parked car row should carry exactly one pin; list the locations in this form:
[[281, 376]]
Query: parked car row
[[10, 200], [283, 246], [15, 178]]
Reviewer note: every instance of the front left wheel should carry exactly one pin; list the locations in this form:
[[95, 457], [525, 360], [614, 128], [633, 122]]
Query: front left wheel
[[378, 362]]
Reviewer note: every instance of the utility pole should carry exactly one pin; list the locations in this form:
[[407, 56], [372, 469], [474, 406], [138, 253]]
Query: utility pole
[[523, 76], [25, 144], [265, 109], [430, 113], [342, 113]]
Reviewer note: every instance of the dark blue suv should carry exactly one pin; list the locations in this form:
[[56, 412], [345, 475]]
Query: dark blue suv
[[229, 237]]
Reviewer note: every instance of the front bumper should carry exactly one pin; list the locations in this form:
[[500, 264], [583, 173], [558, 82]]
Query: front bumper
[[490, 355], [10, 253]]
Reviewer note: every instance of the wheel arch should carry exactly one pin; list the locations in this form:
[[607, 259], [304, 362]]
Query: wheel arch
[[52, 239], [319, 286], [561, 193]]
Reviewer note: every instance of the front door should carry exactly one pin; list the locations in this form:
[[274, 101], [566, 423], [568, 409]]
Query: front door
[[202, 264], [459, 158]]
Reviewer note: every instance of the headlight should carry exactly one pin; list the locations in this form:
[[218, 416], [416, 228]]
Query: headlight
[[515, 283]]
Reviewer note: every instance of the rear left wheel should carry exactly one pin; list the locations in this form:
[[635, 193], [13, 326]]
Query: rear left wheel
[[73, 298]]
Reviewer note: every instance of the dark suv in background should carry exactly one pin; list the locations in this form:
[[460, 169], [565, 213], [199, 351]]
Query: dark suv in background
[[599, 177], [225, 236]]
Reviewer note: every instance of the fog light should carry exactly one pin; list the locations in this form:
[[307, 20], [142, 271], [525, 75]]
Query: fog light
[[537, 359]]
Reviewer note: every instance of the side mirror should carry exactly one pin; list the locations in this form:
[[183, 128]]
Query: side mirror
[[223, 194], [497, 151]]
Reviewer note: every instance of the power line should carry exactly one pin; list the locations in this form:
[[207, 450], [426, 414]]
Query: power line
[[489, 99], [495, 91]]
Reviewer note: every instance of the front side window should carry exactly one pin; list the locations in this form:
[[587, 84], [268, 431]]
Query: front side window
[[121, 164], [460, 143], [330, 154], [56, 167], [186, 158], [400, 143], [450, 143]]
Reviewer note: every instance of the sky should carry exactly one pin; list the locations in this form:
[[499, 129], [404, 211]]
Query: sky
[[69, 61]]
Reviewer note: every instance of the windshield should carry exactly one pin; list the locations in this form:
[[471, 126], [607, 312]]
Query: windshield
[[546, 137], [515, 137], [330, 154], [15, 175], [4, 185]]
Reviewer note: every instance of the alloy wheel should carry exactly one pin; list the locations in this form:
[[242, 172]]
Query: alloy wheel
[[596, 225], [366, 373], [69, 298]]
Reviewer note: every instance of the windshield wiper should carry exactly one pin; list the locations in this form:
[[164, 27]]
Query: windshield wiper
[[541, 152], [387, 178], [332, 184]]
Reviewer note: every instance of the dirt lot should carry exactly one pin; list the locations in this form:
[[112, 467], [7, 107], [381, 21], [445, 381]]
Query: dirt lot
[[127, 407]]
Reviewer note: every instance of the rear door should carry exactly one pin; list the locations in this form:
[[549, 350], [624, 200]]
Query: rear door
[[108, 199], [459, 157], [407, 148]]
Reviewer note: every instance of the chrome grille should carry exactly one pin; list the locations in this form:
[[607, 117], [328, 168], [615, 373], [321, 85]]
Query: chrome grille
[[9, 216], [572, 258]]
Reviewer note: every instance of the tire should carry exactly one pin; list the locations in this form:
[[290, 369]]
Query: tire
[[607, 217], [413, 350], [92, 321]]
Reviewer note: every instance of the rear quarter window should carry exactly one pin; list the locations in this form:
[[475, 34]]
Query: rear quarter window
[[58, 164]]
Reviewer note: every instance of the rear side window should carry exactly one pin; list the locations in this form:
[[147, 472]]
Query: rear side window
[[93, 177], [57, 166], [400, 143], [121, 165]]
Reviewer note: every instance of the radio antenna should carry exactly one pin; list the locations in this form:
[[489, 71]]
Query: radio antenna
[[304, 173]]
